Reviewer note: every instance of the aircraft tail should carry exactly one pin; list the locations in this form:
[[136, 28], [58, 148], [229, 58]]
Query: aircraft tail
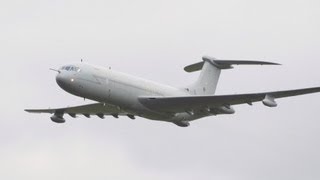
[[210, 72]]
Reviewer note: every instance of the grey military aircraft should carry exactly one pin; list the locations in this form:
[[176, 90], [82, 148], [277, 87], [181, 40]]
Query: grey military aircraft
[[119, 94]]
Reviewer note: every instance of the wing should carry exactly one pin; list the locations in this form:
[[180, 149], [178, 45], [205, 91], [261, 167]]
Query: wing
[[190, 103], [99, 109]]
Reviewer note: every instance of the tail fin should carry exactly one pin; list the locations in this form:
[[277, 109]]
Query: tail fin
[[210, 73]]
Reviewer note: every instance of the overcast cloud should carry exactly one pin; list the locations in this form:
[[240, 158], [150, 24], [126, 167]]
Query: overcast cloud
[[155, 40]]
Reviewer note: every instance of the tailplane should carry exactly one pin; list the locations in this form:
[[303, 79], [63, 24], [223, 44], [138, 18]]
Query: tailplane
[[210, 72]]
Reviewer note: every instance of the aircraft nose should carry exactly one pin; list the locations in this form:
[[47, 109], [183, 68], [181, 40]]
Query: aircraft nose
[[60, 80], [65, 81]]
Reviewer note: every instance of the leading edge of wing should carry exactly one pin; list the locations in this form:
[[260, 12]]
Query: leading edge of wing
[[193, 102]]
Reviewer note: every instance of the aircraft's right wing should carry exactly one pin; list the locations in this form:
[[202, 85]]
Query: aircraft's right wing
[[98, 109], [190, 103]]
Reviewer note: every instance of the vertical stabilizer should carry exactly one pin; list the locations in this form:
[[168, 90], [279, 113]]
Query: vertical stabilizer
[[207, 81]]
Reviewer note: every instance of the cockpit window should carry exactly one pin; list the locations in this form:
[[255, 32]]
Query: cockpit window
[[71, 68]]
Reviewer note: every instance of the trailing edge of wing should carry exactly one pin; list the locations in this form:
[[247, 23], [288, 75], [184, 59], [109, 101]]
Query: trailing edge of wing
[[183, 103]]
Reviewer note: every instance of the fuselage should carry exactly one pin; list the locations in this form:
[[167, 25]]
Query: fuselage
[[119, 89], [120, 94]]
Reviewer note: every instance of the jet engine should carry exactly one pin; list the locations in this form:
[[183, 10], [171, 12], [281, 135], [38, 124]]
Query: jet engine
[[223, 110], [269, 101], [182, 123], [58, 119]]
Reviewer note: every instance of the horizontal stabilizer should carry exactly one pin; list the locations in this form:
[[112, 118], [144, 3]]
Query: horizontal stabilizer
[[224, 64]]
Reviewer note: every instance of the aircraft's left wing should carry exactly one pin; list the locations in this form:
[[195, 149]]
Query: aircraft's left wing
[[193, 103]]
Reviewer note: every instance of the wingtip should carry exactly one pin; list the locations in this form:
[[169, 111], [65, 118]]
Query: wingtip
[[278, 64], [270, 63]]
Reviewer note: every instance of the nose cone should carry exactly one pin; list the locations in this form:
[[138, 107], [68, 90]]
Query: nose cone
[[61, 81], [66, 82]]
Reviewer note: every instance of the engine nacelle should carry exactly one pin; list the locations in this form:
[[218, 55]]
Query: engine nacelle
[[269, 101], [182, 123], [223, 110], [227, 110], [58, 119]]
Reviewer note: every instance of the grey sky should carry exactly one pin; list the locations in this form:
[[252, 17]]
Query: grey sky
[[155, 40]]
